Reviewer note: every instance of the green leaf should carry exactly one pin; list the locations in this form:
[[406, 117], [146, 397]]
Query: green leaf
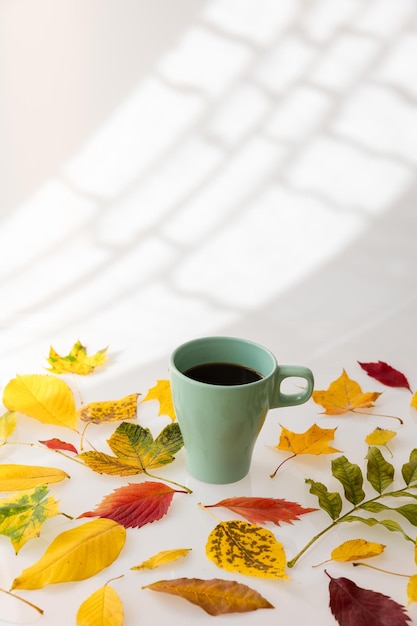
[[409, 470], [373, 507], [380, 473], [331, 502], [350, 475], [409, 511], [386, 523]]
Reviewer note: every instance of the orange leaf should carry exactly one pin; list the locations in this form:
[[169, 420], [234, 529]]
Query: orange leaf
[[312, 441], [214, 596], [344, 395], [261, 510], [162, 392]]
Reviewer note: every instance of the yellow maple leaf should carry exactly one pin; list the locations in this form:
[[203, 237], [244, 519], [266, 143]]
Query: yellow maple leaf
[[77, 361], [355, 549], [162, 392], [312, 441], [343, 395], [412, 589], [110, 410], [162, 558], [103, 608]]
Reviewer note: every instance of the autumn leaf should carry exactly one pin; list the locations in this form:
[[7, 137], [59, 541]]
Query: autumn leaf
[[135, 505], [412, 589], [344, 395], [215, 596], [413, 402], [14, 477], [162, 392], [261, 510], [162, 558], [77, 361], [22, 515], [135, 449], [249, 549], [355, 550], [110, 411], [385, 374], [45, 398], [7, 424], [351, 604], [58, 444], [75, 554], [380, 437], [103, 608]]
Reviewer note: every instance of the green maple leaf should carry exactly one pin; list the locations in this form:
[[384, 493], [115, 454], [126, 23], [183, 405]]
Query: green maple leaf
[[22, 515]]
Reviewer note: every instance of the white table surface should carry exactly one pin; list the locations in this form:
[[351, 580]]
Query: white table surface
[[209, 168]]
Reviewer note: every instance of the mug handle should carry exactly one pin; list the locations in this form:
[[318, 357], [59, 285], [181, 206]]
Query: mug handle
[[283, 399]]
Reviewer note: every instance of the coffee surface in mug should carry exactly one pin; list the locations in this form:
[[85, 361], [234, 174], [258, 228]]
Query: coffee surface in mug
[[226, 374]]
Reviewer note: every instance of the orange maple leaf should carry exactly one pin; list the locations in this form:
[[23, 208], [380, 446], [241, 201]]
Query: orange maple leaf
[[343, 395], [312, 441]]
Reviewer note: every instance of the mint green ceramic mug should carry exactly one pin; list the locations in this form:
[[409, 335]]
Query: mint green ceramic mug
[[222, 388]]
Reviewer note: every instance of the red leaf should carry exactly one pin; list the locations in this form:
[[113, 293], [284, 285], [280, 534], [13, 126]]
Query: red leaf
[[385, 374], [135, 505], [261, 510], [353, 606], [57, 444]]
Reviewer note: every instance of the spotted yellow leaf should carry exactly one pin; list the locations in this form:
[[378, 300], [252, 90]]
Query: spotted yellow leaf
[[356, 549], [75, 554], [162, 392], [43, 397], [14, 477], [249, 549], [77, 361], [162, 558], [7, 424], [103, 608], [110, 411]]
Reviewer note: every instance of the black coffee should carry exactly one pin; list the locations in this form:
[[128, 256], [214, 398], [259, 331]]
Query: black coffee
[[226, 374]]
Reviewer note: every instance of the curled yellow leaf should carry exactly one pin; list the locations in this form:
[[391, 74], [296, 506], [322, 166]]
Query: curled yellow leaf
[[45, 398], [162, 558], [356, 549], [162, 392], [14, 477], [102, 608], [75, 554]]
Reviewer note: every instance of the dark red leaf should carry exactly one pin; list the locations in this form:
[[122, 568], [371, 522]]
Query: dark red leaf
[[385, 374], [353, 606], [261, 510], [57, 444], [135, 505]]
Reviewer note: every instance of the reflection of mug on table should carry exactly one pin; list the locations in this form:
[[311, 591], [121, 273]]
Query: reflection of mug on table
[[222, 389]]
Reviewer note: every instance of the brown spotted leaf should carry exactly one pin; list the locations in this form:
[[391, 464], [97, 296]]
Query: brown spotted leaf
[[110, 410]]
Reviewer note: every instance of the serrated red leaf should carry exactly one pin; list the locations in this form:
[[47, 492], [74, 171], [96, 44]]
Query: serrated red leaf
[[57, 444], [354, 606], [135, 505], [261, 510], [385, 374]]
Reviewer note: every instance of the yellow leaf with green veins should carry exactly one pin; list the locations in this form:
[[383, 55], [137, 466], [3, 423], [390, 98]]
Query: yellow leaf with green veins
[[22, 515], [7, 424], [162, 558], [14, 477], [75, 554], [249, 549], [102, 608], [45, 398], [77, 361], [162, 392]]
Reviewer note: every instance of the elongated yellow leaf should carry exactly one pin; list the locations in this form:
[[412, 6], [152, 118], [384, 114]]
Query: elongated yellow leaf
[[166, 556], [45, 398], [238, 546], [7, 424], [15, 477], [22, 515], [355, 549], [75, 554], [412, 589], [111, 410], [102, 608]]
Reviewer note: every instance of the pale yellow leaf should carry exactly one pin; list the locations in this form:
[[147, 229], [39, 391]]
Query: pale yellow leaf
[[412, 589], [7, 424], [45, 398], [14, 477], [380, 437], [75, 554], [355, 549], [162, 392], [102, 608], [162, 558]]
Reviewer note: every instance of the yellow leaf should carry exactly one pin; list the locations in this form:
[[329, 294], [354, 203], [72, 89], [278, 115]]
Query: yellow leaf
[[356, 549], [412, 589], [413, 402], [249, 549], [43, 397], [162, 392], [102, 608], [344, 395], [77, 361], [7, 424], [110, 411], [312, 441], [75, 554], [166, 556], [380, 437], [22, 515], [15, 477]]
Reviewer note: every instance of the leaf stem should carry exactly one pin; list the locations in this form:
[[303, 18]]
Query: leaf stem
[[171, 482], [379, 569], [9, 593], [394, 417], [281, 464]]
